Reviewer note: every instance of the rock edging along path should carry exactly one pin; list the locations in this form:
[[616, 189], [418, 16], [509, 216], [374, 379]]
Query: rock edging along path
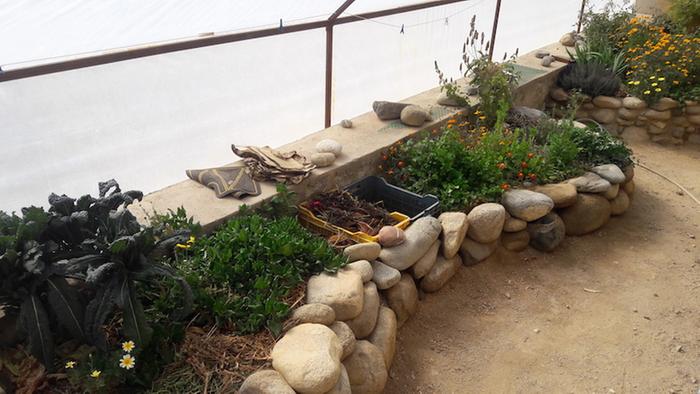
[[354, 353]]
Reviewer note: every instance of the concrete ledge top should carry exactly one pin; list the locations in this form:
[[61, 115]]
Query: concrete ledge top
[[361, 144]]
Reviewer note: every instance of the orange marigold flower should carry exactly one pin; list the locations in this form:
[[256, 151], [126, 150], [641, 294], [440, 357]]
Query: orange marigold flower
[[505, 186]]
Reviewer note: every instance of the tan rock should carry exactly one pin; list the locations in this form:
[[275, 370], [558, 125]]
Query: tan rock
[[604, 115], [515, 242], [664, 104], [342, 291], [473, 252], [266, 381], [512, 225], [419, 237], [619, 204], [345, 336], [526, 204], [403, 298], [657, 115], [365, 251], [563, 194], [363, 324], [384, 276], [425, 263], [486, 222], [629, 187], [366, 369], [314, 313], [454, 229], [384, 335], [362, 268], [612, 192], [590, 212], [629, 114], [607, 102], [343, 384], [443, 270], [633, 103]]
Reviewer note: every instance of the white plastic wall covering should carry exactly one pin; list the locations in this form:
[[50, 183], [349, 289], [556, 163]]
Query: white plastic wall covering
[[145, 121]]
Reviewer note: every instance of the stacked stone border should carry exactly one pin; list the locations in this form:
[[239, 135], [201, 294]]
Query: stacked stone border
[[666, 121], [343, 340]]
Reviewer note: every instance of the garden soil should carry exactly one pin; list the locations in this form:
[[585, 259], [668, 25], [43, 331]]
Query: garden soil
[[615, 311]]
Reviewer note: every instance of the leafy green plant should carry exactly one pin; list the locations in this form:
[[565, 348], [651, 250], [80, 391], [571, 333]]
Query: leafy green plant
[[243, 272], [614, 61], [600, 29], [592, 79], [597, 146], [495, 82], [686, 13], [94, 240]]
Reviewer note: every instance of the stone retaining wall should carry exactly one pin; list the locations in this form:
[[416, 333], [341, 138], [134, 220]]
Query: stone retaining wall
[[344, 339], [665, 121]]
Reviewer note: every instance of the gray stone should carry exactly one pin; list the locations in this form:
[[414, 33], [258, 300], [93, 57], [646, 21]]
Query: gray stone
[[443, 270], [403, 298], [419, 237], [472, 91], [387, 110], [515, 242], [447, 101], [366, 369], [324, 159], [454, 229], [547, 232], [590, 212], [609, 172], [343, 384], [346, 123], [267, 381], [486, 222], [314, 313], [562, 194], [342, 291], [590, 183], [384, 276], [607, 102], [473, 252], [362, 268], [363, 324], [619, 204], [329, 146], [345, 336], [389, 236], [308, 358], [414, 116], [365, 251], [633, 103], [513, 225], [540, 53], [384, 335], [425, 263], [524, 116], [526, 204], [548, 60]]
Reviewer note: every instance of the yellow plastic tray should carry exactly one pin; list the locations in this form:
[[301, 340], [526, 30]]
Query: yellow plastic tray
[[311, 219]]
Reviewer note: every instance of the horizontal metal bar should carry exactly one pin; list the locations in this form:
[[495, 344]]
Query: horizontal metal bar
[[201, 42]]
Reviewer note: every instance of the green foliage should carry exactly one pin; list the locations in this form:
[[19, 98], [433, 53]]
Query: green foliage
[[603, 28], [282, 204], [243, 272], [95, 240], [686, 13], [592, 79], [597, 147], [174, 222], [605, 55], [561, 149]]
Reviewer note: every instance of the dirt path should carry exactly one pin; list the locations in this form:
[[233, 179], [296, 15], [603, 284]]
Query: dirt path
[[523, 323]]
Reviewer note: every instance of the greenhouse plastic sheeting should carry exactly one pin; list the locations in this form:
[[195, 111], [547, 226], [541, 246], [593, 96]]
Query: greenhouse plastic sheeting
[[145, 121]]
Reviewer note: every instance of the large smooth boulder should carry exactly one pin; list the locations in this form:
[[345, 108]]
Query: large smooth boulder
[[414, 116], [403, 298], [384, 276], [526, 204], [384, 335], [609, 172], [419, 237], [342, 386], [267, 381], [362, 268], [590, 183], [363, 324], [454, 229], [562, 194], [425, 263], [342, 291], [590, 212], [547, 232], [308, 358], [619, 204], [515, 242], [513, 225], [314, 313], [486, 222], [365, 251], [366, 369], [345, 336], [387, 110], [612, 192], [443, 270], [473, 252]]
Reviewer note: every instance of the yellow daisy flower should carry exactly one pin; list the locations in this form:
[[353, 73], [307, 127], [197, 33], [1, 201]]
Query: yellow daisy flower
[[95, 373], [647, 91], [128, 346], [127, 361], [70, 364]]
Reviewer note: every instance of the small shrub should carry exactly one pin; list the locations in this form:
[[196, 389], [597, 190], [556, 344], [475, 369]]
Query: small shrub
[[686, 13], [607, 27], [599, 147], [242, 273]]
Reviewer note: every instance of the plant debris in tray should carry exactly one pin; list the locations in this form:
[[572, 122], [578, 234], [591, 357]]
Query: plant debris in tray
[[342, 209]]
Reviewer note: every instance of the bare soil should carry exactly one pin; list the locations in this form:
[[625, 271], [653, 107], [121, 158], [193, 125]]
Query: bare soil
[[615, 311]]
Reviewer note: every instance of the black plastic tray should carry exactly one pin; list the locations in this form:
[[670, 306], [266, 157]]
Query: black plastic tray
[[375, 189]]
